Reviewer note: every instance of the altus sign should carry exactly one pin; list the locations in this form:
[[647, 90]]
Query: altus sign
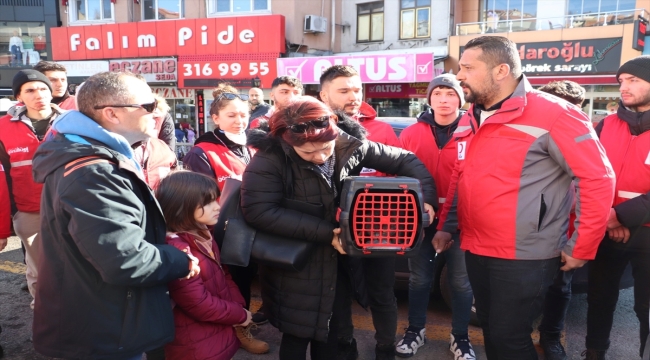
[[233, 35]]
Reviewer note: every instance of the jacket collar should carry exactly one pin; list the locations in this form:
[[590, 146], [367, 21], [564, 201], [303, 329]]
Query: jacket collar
[[512, 107], [638, 122]]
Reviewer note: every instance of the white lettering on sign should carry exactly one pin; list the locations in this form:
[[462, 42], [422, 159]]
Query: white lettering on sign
[[386, 88], [225, 69], [185, 34], [145, 41], [393, 68], [74, 41], [581, 68]]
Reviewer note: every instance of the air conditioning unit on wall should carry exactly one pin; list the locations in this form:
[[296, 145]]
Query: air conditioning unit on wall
[[315, 24]]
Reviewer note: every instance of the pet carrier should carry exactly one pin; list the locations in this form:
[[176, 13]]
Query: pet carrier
[[381, 216]]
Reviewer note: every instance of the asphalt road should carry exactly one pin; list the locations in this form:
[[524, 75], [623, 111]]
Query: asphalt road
[[16, 320]]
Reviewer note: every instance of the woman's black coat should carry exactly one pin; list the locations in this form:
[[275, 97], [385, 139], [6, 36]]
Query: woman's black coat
[[300, 303]]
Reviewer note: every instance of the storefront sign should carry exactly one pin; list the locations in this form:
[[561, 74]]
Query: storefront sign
[[153, 70], [397, 91], [222, 35], [389, 68], [84, 68], [173, 93], [244, 73], [577, 57]]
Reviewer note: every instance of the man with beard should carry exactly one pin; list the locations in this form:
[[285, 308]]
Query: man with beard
[[256, 102], [518, 150], [626, 138], [341, 90], [58, 76]]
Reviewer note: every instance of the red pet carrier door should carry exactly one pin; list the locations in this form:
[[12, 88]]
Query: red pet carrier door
[[384, 220], [381, 216]]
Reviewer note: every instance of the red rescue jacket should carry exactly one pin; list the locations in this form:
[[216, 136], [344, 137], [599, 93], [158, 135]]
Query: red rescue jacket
[[630, 157], [5, 206], [378, 131], [224, 162], [418, 138], [514, 176]]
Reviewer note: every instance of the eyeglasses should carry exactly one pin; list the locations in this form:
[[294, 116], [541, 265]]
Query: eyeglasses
[[320, 123], [231, 96], [149, 107]]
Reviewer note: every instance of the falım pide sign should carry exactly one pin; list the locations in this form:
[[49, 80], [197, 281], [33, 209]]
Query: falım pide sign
[[577, 57]]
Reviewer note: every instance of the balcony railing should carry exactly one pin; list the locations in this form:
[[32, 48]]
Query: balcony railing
[[550, 23]]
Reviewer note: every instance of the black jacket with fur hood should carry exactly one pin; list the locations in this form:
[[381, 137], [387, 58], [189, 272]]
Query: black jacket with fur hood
[[300, 303]]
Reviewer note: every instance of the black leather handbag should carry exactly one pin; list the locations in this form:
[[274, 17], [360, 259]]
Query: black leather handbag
[[241, 242]]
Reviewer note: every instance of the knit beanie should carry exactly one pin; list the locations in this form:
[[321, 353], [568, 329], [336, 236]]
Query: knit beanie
[[639, 67], [446, 80], [24, 76]]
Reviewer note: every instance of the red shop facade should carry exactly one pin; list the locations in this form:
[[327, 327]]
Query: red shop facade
[[241, 51]]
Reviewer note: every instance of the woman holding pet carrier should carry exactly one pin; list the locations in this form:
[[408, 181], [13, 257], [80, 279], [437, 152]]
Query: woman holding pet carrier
[[316, 149]]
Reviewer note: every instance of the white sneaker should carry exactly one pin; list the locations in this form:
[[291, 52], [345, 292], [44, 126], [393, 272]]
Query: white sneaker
[[461, 348], [410, 343]]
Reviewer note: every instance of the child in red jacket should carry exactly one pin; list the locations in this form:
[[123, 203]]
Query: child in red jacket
[[208, 310]]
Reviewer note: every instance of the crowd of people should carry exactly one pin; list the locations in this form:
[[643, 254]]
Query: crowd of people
[[520, 188]]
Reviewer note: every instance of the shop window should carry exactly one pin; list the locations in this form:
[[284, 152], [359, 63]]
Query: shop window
[[90, 10], [22, 43], [370, 22], [225, 7], [415, 19], [163, 9]]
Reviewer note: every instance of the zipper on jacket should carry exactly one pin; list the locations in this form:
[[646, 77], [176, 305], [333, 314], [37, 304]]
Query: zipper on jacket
[[542, 212]]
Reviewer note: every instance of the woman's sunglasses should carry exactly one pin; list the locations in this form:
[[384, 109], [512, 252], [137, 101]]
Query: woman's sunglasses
[[320, 123], [150, 107], [231, 96]]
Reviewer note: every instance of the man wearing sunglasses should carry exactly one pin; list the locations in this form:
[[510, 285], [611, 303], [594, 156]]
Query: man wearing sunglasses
[[284, 90], [23, 130], [105, 266], [341, 90]]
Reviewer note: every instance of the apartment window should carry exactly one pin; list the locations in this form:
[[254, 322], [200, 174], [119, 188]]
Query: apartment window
[[163, 9], [237, 6], [91, 10], [370, 21], [415, 19], [576, 7], [497, 10]]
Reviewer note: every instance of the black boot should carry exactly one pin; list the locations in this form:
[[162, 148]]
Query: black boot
[[385, 352], [590, 354], [553, 349], [347, 350]]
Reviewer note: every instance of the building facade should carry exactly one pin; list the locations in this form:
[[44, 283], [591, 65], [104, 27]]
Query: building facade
[[583, 41], [24, 37], [186, 48]]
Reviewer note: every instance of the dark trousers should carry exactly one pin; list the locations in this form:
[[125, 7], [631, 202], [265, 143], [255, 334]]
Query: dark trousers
[[379, 277], [243, 278], [556, 303], [604, 276], [508, 295], [295, 348]]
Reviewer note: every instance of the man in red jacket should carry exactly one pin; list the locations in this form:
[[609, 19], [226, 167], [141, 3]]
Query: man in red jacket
[[341, 90], [518, 151], [23, 130], [434, 130], [58, 76], [626, 137]]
